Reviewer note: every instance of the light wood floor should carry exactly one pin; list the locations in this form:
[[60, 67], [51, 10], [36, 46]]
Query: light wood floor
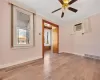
[[56, 67]]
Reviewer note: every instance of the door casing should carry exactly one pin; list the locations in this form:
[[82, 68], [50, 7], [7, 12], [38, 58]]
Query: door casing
[[43, 26]]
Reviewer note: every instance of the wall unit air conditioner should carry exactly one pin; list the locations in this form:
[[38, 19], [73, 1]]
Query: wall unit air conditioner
[[81, 27]]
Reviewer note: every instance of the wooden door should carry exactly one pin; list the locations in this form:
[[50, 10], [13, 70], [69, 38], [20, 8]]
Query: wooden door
[[55, 39]]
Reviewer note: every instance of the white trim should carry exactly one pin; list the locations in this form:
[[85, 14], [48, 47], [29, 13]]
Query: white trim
[[73, 53], [15, 9], [78, 54], [23, 6], [19, 62]]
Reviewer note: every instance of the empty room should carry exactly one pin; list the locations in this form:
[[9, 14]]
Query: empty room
[[49, 40]]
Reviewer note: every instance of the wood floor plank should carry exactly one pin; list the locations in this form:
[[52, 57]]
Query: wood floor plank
[[56, 67]]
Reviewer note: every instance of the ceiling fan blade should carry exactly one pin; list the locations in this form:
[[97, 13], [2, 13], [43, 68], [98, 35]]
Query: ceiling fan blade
[[56, 10], [61, 1], [72, 9], [72, 1], [62, 15]]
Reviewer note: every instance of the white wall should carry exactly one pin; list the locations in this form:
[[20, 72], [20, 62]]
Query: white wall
[[9, 56], [89, 43], [65, 39]]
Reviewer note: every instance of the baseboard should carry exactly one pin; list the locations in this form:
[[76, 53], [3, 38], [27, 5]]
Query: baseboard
[[74, 53], [19, 63], [85, 55], [78, 54], [92, 56]]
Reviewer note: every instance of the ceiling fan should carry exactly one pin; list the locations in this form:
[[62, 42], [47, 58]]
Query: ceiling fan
[[65, 4]]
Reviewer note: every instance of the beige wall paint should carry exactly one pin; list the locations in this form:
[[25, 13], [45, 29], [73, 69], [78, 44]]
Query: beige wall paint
[[9, 56], [89, 43], [65, 39]]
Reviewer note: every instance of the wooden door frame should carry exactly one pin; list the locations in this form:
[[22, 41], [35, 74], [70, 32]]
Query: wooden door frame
[[55, 25]]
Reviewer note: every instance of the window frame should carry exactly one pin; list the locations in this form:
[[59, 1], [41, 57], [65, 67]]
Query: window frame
[[14, 31]]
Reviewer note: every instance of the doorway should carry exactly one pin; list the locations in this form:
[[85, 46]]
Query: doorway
[[50, 38]]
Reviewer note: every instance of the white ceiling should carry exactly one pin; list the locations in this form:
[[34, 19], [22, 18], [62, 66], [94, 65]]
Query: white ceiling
[[45, 7]]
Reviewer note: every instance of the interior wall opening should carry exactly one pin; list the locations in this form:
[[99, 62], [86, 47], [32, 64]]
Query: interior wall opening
[[50, 38]]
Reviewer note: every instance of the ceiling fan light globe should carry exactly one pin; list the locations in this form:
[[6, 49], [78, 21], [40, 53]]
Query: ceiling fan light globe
[[66, 1]]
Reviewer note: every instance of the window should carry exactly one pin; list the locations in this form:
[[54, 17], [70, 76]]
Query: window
[[22, 27]]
